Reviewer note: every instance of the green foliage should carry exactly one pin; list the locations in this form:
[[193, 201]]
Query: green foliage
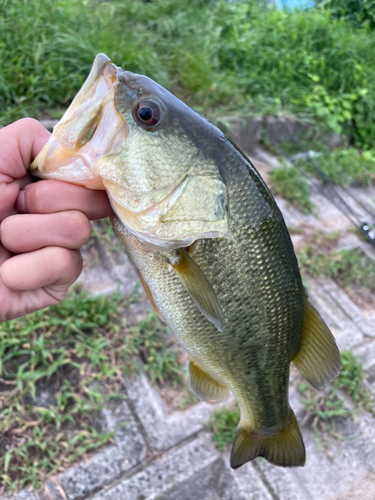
[[359, 12], [350, 268], [290, 183], [348, 166], [322, 409], [213, 54], [223, 424], [351, 380], [76, 352]]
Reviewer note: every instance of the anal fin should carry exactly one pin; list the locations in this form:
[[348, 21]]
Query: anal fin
[[205, 387], [284, 448], [318, 359]]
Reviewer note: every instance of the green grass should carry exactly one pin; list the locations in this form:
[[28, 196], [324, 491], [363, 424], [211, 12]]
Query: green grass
[[76, 351], [343, 166], [350, 268], [216, 55], [289, 183], [223, 424], [323, 409]]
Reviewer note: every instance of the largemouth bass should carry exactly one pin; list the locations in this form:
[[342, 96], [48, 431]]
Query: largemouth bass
[[210, 246]]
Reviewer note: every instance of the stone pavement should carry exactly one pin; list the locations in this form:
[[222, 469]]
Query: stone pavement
[[160, 456]]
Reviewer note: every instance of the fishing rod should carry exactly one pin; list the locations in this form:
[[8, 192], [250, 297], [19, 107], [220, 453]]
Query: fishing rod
[[367, 228]]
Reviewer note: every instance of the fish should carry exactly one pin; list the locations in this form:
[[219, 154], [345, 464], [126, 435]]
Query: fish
[[210, 246]]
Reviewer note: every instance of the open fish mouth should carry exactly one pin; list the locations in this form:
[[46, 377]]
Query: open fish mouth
[[158, 183], [85, 132]]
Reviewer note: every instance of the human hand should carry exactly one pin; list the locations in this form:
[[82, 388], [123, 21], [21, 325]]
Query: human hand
[[42, 225]]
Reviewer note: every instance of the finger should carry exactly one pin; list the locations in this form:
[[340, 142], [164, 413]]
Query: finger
[[8, 195], [53, 267], [25, 233], [45, 197], [20, 143], [4, 254]]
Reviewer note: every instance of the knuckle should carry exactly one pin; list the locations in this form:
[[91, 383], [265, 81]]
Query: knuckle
[[31, 124], [35, 197], [76, 228], [68, 262]]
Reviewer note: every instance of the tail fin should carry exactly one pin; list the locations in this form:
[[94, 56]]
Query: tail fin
[[285, 448]]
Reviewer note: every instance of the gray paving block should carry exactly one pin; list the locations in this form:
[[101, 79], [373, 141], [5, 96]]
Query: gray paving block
[[22, 495], [352, 311], [195, 471], [366, 353], [249, 483], [106, 465], [164, 431], [346, 332], [328, 478], [282, 482]]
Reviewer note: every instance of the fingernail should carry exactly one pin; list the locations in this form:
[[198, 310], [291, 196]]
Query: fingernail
[[20, 202]]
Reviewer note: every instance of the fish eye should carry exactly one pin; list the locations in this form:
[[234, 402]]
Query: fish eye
[[148, 113]]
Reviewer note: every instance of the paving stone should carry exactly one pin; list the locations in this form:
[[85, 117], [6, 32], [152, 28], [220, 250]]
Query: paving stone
[[128, 451], [282, 482], [366, 353], [22, 495], [246, 131], [104, 271], [352, 311], [249, 483], [163, 431], [346, 332], [328, 478], [193, 471]]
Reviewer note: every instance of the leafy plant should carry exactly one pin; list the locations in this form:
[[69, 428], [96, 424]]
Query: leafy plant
[[242, 56], [58, 367], [290, 183], [222, 424], [350, 268], [359, 12], [324, 408]]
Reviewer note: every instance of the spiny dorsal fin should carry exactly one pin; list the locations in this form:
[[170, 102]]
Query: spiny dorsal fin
[[204, 386], [285, 448], [198, 287], [318, 359]]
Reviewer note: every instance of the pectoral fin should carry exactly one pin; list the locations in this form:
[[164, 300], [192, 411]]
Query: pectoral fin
[[284, 448], [318, 359], [204, 386], [198, 287]]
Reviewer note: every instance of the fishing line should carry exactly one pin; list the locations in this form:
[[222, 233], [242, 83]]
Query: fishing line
[[367, 229]]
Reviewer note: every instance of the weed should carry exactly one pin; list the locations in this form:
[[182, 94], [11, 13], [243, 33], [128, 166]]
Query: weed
[[242, 56], [350, 268], [58, 367], [351, 380], [323, 409], [290, 183], [223, 424], [346, 166]]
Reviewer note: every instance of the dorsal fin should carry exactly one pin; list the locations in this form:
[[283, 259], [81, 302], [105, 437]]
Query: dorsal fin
[[198, 287], [318, 359]]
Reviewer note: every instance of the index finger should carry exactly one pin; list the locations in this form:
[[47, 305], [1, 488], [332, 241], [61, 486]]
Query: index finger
[[51, 196]]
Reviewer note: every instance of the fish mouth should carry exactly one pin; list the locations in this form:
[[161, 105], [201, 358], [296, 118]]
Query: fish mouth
[[90, 128]]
